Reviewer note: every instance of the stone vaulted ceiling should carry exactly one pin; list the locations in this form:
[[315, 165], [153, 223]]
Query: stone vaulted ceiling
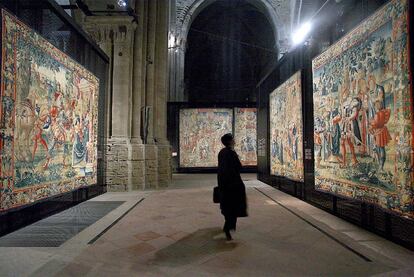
[[283, 9]]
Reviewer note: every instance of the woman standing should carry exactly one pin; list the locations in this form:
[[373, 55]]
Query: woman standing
[[233, 202]]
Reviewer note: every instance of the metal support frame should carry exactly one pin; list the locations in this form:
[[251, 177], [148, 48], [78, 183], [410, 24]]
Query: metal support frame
[[85, 9]]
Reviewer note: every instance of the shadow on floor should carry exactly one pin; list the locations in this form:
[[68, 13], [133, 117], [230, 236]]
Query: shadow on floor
[[202, 243]]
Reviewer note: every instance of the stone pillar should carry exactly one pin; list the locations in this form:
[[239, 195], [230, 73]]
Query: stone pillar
[[123, 34], [161, 91], [121, 84], [117, 34], [176, 67], [150, 150], [136, 159], [137, 149], [142, 8], [150, 68]]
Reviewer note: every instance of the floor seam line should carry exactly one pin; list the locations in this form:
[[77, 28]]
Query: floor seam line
[[92, 241], [317, 228]]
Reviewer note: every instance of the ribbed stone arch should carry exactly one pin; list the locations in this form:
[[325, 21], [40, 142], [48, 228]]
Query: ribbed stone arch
[[278, 13], [264, 6]]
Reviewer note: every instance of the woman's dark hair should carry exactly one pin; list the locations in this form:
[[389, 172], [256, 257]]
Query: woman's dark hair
[[226, 139]]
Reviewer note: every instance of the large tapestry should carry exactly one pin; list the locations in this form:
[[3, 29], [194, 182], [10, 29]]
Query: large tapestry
[[363, 113], [286, 151], [48, 118], [245, 120], [200, 135]]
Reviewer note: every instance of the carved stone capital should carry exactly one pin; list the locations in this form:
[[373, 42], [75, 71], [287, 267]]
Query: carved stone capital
[[110, 28]]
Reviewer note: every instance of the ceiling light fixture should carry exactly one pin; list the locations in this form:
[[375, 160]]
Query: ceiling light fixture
[[122, 3], [300, 34]]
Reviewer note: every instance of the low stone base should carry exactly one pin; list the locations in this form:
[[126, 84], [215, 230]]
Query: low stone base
[[151, 166], [135, 166], [164, 165], [116, 165]]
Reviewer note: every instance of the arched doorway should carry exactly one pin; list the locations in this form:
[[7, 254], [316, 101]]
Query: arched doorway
[[277, 14], [228, 48], [230, 44]]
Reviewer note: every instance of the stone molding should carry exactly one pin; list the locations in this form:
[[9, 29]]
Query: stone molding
[[110, 28]]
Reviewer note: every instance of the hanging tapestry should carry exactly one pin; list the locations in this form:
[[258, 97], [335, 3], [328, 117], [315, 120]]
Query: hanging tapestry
[[363, 115], [245, 120], [200, 135], [48, 118], [286, 151]]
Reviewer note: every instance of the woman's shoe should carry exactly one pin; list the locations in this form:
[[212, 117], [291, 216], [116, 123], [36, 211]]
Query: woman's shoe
[[228, 235]]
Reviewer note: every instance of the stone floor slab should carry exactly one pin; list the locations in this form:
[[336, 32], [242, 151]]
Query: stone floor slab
[[177, 232]]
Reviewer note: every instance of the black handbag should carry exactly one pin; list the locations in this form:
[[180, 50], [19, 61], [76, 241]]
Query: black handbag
[[216, 195]]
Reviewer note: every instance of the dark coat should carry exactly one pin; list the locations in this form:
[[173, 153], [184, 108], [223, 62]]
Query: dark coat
[[232, 191]]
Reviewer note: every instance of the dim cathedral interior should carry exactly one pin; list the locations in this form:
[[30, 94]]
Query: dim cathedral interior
[[132, 130]]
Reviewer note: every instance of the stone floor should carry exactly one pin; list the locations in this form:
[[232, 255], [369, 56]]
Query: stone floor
[[177, 232]]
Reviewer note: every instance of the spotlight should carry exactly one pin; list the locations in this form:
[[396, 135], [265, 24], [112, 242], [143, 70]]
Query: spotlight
[[300, 34], [122, 3], [171, 41]]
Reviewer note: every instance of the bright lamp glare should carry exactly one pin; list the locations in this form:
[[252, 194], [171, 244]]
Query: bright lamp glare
[[122, 3], [171, 41], [300, 34]]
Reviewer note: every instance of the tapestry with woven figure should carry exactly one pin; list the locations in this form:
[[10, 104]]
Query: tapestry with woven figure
[[286, 129], [200, 134], [245, 134], [48, 118], [363, 114]]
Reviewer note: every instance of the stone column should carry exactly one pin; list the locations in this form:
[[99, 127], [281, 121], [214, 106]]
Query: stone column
[[182, 94], [142, 8], [137, 148], [151, 153], [172, 41], [123, 34], [150, 68], [138, 80], [118, 32], [122, 79], [176, 70], [161, 90]]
